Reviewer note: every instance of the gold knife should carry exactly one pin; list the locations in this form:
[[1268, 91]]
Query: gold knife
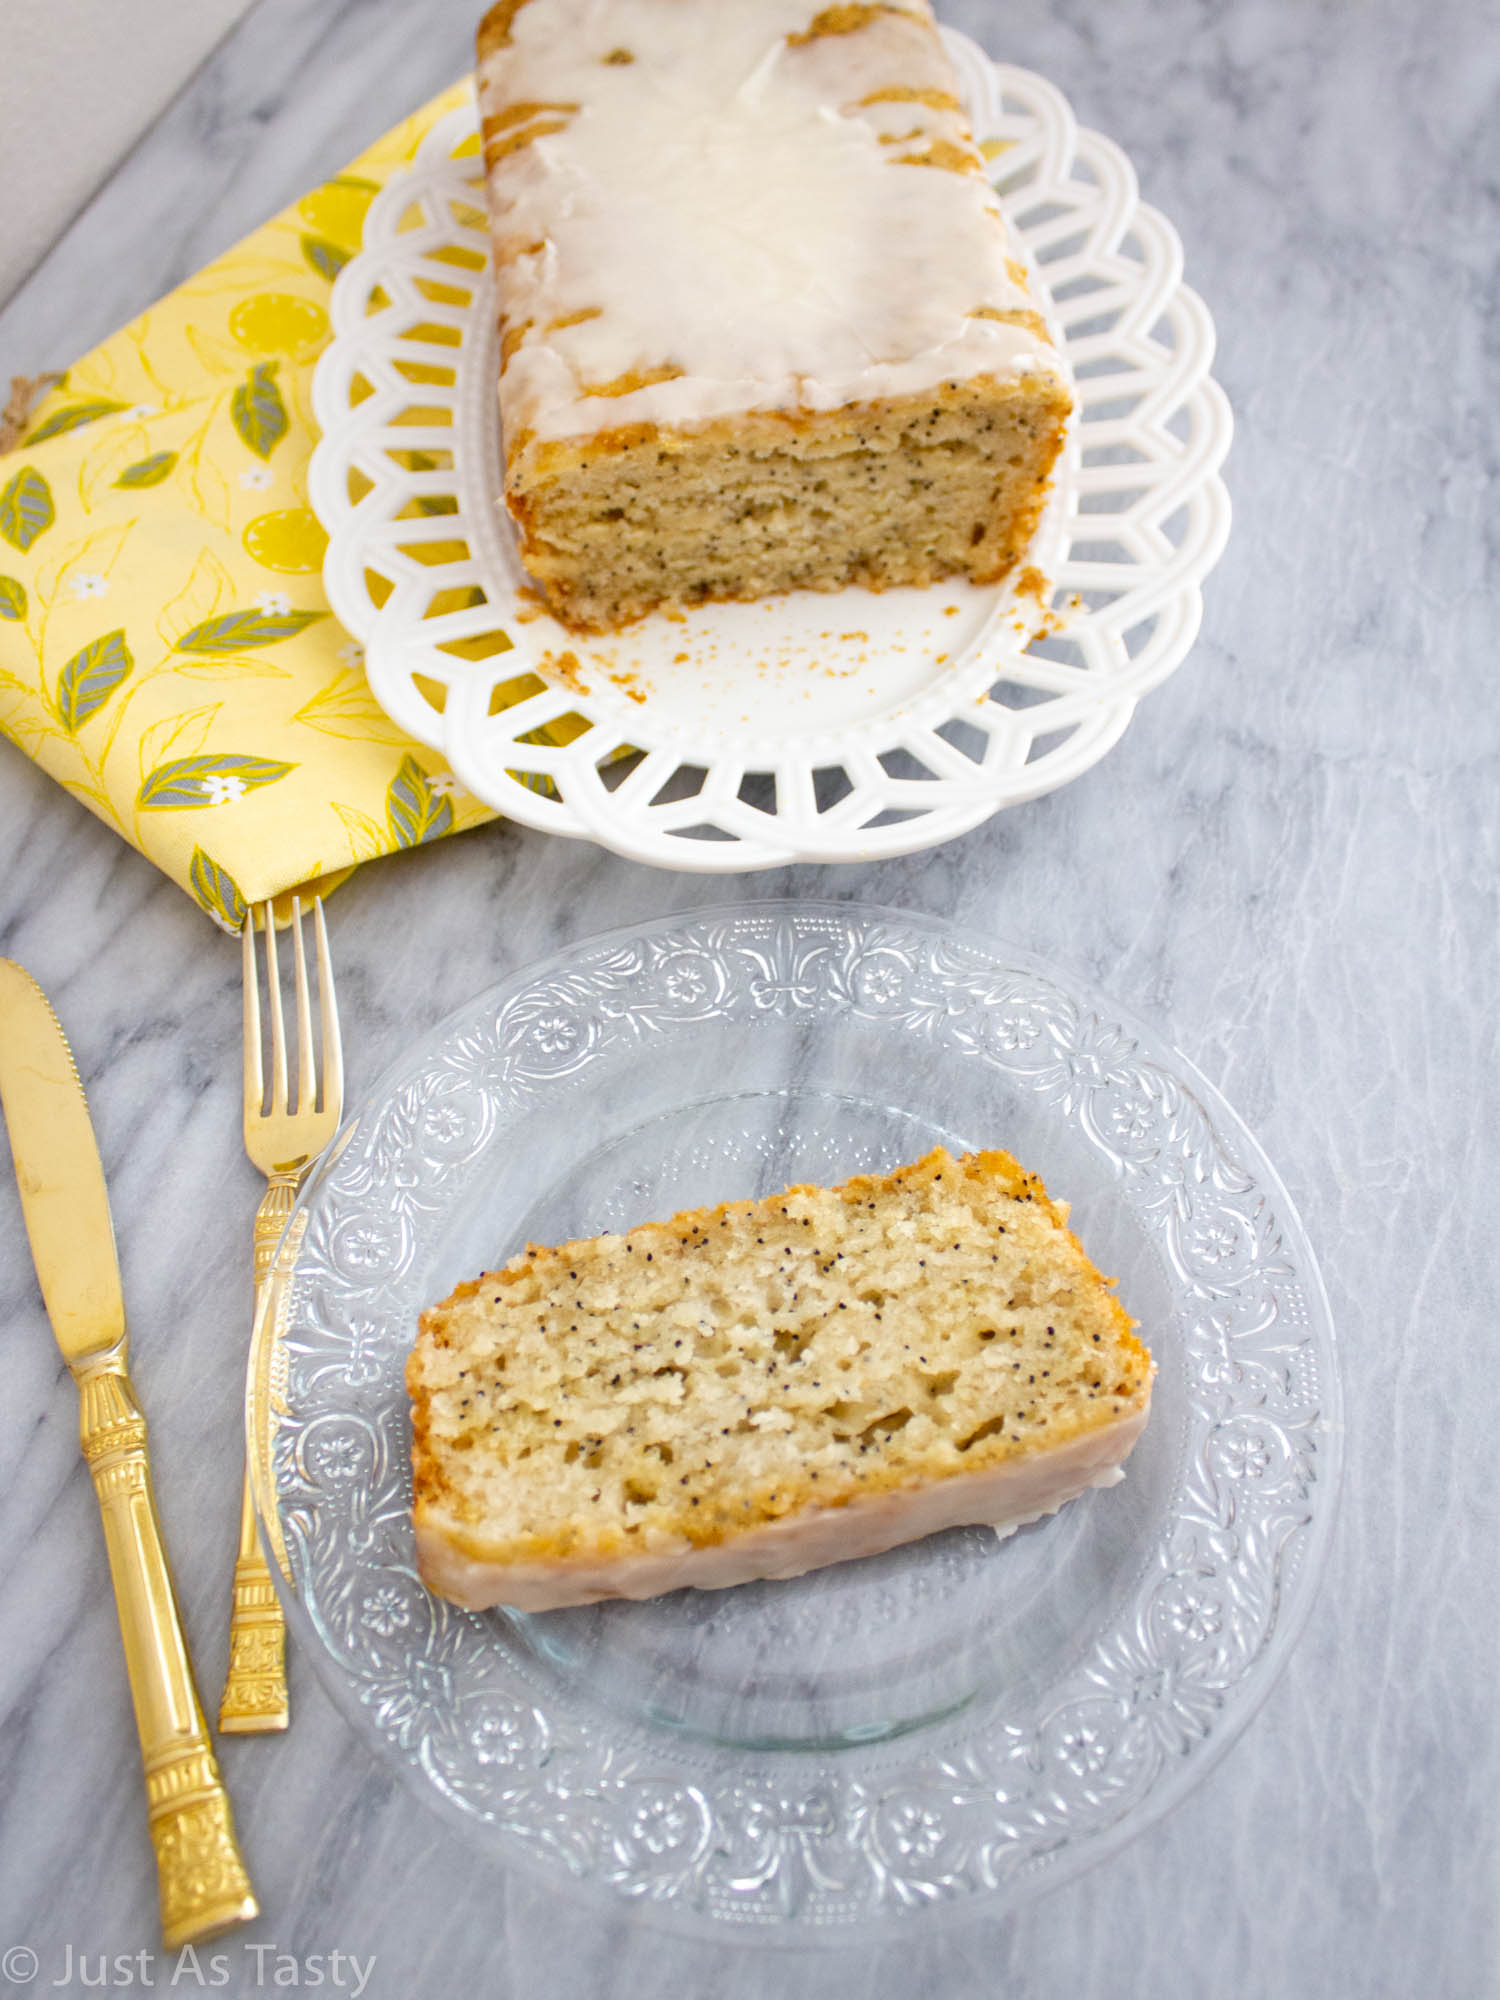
[[204, 1886]]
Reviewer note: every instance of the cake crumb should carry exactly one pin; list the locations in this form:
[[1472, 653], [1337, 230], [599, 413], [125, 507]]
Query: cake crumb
[[831, 1334]]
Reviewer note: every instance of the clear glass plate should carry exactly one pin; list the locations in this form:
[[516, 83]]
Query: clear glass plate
[[960, 1720]]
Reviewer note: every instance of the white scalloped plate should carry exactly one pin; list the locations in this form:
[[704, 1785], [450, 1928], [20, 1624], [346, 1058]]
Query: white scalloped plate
[[805, 728]]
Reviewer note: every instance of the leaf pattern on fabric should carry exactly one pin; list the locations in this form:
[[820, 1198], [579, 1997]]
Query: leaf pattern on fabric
[[73, 418], [367, 838], [148, 471], [207, 586], [82, 569], [326, 258], [235, 631], [169, 476], [240, 668], [90, 678], [345, 707], [26, 509], [215, 779], [186, 734], [415, 810], [257, 409], [217, 890]]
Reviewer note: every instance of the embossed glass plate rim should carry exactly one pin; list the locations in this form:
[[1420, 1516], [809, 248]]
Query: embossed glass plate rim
[[1077, 1851]]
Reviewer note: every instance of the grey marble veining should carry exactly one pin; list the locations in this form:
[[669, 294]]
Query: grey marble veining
[[1289, 864], [115, 90]]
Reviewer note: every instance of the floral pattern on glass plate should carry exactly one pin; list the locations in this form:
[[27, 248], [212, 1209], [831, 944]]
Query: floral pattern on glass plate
[[1023, 1784]]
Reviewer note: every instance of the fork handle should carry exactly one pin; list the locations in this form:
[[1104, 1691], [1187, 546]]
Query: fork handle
[[276, 1204], [255, 1699]]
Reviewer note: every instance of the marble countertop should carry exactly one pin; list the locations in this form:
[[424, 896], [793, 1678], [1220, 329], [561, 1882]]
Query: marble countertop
[[116, 87], [1289, 865]]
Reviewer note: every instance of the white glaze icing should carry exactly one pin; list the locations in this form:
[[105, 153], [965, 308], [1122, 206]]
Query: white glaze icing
[[1005, 1497], [728, 205]]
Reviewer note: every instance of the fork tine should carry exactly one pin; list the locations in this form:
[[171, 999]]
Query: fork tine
[[255, 1083], [278, 1027], [307, 1062], [333, 1050]]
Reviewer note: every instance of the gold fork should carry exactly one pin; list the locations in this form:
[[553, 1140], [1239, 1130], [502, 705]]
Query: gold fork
[[283, 1142]]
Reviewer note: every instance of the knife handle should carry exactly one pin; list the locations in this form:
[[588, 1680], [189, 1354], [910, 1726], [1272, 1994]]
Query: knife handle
[[204, 1886]]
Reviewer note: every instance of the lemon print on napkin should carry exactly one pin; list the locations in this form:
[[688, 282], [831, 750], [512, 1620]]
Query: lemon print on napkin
[[166, 649], [291, 539], [280, 323], [335, 215]]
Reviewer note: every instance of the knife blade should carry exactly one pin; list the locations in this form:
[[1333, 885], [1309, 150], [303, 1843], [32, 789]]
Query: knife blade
[[63, 1196], [203, 1883]]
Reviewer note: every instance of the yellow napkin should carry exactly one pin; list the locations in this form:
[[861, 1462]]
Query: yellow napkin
[[166, 649]]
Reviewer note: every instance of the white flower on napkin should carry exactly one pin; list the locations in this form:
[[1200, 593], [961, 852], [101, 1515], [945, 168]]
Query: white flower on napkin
[[89, 583], [352, 655], [220, 790], [257, 479], [273, 604], [441, 783]]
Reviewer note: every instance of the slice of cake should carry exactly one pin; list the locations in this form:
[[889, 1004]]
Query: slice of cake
[[756, 1390], [761, 325]]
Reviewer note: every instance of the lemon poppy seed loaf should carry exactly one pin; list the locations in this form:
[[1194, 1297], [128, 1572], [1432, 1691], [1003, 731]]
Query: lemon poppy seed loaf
[[762, 327], [759, 1389]]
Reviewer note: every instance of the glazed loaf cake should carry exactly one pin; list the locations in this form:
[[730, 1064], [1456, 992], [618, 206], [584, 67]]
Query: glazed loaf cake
[[759, 1389], [761, 326]]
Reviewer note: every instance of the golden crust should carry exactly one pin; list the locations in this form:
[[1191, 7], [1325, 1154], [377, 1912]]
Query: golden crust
[[494, 29], [848, 20]]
